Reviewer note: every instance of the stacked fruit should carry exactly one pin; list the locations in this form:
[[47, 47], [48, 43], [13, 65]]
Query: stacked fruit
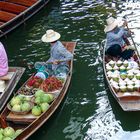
[[51, 84], [9, 133], [20, 104], [34, 82], [42, 101]]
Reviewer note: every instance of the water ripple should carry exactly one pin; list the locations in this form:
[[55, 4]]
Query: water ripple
[[102, 125]]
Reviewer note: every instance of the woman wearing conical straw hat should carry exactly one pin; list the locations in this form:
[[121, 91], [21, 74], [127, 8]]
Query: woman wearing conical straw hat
[[59, 55], [116, 39]]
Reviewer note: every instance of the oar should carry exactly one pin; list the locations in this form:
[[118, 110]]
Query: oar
[[133, 42], [132, 38]]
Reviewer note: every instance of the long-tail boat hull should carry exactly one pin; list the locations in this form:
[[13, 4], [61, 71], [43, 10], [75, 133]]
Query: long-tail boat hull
[[10, 84], [126, 90], [29, 123]]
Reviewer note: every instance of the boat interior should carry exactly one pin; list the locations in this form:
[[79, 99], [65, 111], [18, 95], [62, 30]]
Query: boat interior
[[9, 9], [135, 95]]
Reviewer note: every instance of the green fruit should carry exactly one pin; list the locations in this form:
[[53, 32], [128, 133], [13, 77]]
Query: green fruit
[[1, 130], [1, 136], [38, 100], [19, 131], [39, 93], [51, 97], [21, 97], [27, 99], [15, 100], [25, 106], [46, 98], [16, 108], [36, 110], [44, 107], [8, 132], [7, 138]]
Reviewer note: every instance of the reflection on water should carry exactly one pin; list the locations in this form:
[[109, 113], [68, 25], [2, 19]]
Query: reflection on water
[[121, 135], [88, 112], [102, 124], [74, 129], [131, 11]]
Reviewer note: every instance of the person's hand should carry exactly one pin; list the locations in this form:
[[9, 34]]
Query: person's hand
[[56, 62], [125, 23], [130, 32], [124, 48]]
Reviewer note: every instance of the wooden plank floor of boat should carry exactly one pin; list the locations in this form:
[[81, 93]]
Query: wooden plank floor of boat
[[23, 2], [27, 118], [5, 16], [11, 7], [130, 106]]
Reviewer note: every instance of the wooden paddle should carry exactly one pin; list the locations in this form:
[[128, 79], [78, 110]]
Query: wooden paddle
[[124, 17], [133, 43]]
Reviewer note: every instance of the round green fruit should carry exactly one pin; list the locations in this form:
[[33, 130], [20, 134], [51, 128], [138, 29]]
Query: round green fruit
[[51, 97], [46, 98], [25, 106], [1, 130], [15, 100], [8, 132], [36, 110], [1, 136], [18, 131], [7, 138], [38, 100], [44, 107], [39, 93], [16, 108], [27, 98]]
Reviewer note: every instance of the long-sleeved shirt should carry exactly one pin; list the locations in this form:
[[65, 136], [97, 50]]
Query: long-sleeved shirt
[[116, 37], [59, 53], [3, 61]]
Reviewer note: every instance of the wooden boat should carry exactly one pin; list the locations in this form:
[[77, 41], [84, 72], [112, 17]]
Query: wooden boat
[[11, 80], [15, 12], [28, 122], [123, 81]]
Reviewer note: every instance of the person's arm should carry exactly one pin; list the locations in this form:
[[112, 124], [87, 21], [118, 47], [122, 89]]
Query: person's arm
[[127, 33], [65, 53]]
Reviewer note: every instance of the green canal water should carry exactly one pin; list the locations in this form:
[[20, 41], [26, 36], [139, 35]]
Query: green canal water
[[88, 112]]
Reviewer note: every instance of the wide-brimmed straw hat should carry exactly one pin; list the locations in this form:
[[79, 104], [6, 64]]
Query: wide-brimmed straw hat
[[50, 36], [111, 24]]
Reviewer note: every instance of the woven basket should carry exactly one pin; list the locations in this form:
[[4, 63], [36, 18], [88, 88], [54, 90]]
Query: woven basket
[[20, 112]]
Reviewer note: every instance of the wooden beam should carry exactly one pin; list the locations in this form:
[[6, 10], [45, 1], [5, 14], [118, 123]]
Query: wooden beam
[[5, 16], [10, 7], [23, 2]]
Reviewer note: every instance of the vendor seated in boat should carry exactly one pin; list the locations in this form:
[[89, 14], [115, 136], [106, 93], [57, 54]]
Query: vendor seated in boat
[[59, 55], [3, 62], [117, 41]]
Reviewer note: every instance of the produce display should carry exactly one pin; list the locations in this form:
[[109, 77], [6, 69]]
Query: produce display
[[34, 82], [34, 97], [38, 104], [9, 133], [51, 84], [42, 101], [20, 104], [124, 76], [27, 91]]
